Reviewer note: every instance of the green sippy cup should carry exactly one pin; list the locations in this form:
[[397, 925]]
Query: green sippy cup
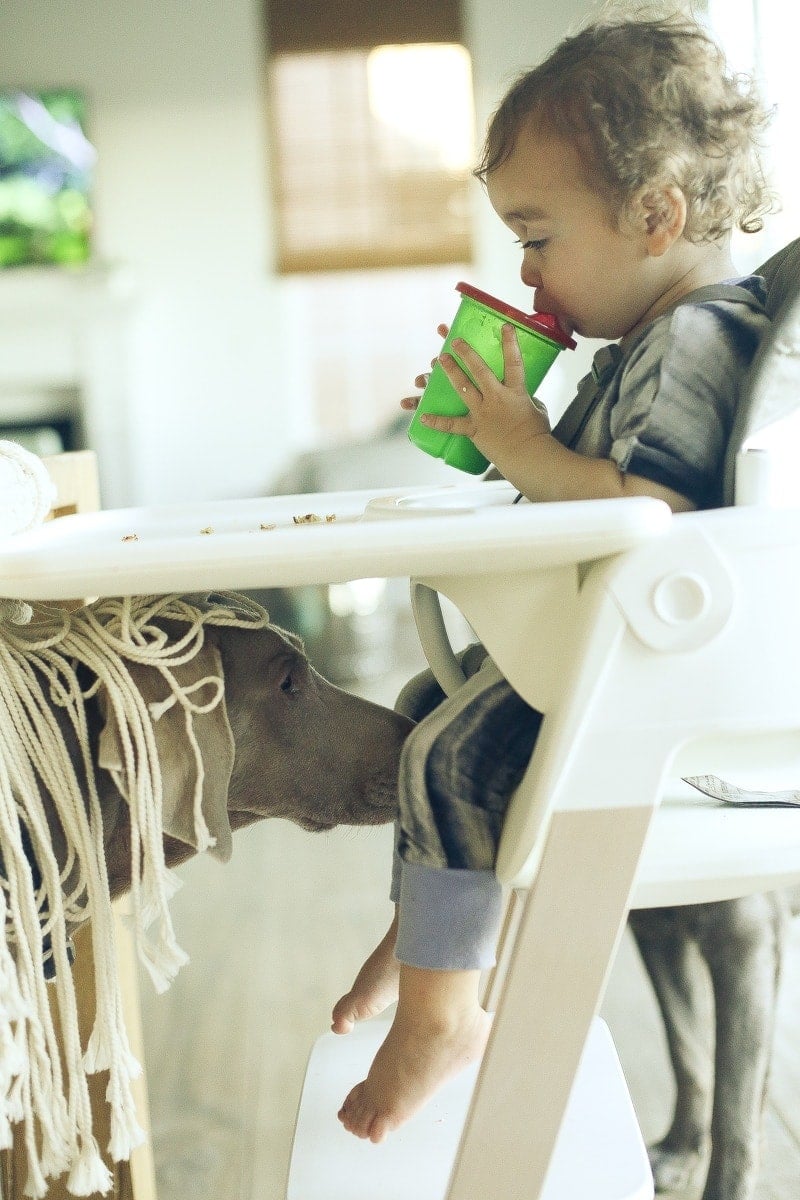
[[479, 322]]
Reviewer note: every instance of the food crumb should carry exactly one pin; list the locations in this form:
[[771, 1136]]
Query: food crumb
[[207, 529], [130, 537], [314, 519], [266, 525]]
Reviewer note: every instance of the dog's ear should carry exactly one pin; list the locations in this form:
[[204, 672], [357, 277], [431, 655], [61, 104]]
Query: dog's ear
[[177, 759]]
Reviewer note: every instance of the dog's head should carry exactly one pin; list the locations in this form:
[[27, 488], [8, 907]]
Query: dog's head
[[304, 749], [282, 742]]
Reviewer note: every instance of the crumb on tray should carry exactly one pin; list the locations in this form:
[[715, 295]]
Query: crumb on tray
[[314, 519]]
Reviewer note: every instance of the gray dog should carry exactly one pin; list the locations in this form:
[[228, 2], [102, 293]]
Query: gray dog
[[735, 947], [286, 743]]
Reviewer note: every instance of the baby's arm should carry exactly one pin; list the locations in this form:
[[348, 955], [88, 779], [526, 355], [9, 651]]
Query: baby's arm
[[513, 432]]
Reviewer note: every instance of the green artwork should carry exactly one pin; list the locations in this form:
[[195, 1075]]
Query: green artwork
[[46, 164]]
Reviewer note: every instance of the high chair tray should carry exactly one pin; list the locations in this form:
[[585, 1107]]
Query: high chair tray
[[325, 537], [599, 1153]]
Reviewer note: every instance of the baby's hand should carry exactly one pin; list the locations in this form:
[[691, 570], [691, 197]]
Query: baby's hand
[[502, 417], [421, 381]]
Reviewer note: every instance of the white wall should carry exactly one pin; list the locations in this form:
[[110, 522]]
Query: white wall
[[181, 195]]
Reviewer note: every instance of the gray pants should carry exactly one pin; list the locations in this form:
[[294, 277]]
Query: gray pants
[[458, 770]]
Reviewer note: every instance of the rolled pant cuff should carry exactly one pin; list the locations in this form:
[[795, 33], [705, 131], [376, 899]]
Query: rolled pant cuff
[[449, 919]]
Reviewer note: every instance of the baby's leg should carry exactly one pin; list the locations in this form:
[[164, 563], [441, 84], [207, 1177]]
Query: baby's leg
[[458, 768], [375, 986], [439, 1028]]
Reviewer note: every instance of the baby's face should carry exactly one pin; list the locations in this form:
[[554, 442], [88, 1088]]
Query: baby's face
[[596, 277]]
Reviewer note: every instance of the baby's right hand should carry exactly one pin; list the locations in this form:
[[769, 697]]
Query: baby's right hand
[[421, 381]]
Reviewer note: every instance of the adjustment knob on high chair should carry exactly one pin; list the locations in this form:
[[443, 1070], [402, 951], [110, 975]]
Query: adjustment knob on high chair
[[681, 597], [676, 594]]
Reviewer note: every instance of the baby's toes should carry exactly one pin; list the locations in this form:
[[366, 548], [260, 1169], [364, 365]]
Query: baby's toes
[[380, 1128], [355, 1007], [343, 1015], [356, 1114]]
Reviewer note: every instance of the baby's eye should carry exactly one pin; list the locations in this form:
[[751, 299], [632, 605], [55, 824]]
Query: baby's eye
[[534, 244]]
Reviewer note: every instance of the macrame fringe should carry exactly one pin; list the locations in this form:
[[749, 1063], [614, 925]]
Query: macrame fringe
[[39, 665], [89, 1174]]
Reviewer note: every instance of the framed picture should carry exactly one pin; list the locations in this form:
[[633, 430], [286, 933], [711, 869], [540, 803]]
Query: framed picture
[[46, 165]]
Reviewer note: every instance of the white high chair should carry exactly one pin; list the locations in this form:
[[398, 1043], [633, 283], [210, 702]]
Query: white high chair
[[676, 657], [654, 644], [255, 542]]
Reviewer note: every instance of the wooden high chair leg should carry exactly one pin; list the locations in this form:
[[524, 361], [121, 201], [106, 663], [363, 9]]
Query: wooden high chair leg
[[141, 1168], [558, 967]]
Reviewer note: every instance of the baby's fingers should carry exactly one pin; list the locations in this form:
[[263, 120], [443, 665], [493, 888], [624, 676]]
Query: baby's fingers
[[483, 376], [464, 425], [410, 402], [513, 367]]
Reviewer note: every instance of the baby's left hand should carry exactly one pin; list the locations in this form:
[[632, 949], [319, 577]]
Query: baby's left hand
[[501, 414]]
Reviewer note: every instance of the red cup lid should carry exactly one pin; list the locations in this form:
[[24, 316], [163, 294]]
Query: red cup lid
[[544, 323]]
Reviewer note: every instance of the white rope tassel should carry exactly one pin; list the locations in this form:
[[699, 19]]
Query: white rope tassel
[[45, 752]]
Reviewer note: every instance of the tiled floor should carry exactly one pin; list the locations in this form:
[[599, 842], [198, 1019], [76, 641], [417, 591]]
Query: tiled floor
[[274, 938]]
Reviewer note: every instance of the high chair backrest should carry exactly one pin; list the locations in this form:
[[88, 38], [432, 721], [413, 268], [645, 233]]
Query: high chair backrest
[[772, 389]]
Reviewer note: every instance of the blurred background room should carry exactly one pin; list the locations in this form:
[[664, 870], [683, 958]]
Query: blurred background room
[[265, 208]]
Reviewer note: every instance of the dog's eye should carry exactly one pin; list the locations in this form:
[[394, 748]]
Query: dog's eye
[[290, 673]]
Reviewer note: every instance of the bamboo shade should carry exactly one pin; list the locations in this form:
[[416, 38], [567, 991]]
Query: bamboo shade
[[301, 26]]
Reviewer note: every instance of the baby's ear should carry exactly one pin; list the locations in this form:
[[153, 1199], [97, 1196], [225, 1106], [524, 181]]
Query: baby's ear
[[661, 211]]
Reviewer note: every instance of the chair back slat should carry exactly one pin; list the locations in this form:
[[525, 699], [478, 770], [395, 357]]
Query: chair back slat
[[771, 391]]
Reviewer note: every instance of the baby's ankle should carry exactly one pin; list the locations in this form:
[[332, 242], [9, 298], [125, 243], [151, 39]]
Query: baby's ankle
[[438, 999]]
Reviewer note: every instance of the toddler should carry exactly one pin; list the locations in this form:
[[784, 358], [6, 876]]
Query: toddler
[[621, 165]]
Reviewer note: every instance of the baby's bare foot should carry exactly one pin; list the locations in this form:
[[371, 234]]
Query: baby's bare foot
[[413, 1062], [375, 986]]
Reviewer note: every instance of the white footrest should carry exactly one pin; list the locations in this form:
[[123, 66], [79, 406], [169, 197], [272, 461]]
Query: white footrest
[[599, 1155]]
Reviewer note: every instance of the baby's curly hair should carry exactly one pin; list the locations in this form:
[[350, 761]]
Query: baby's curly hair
[[652, 103]]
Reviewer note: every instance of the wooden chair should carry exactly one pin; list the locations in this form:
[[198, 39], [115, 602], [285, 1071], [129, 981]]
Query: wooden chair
[[75, 476]]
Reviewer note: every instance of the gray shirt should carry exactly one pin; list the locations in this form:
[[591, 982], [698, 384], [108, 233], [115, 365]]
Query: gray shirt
[[664, 408]]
